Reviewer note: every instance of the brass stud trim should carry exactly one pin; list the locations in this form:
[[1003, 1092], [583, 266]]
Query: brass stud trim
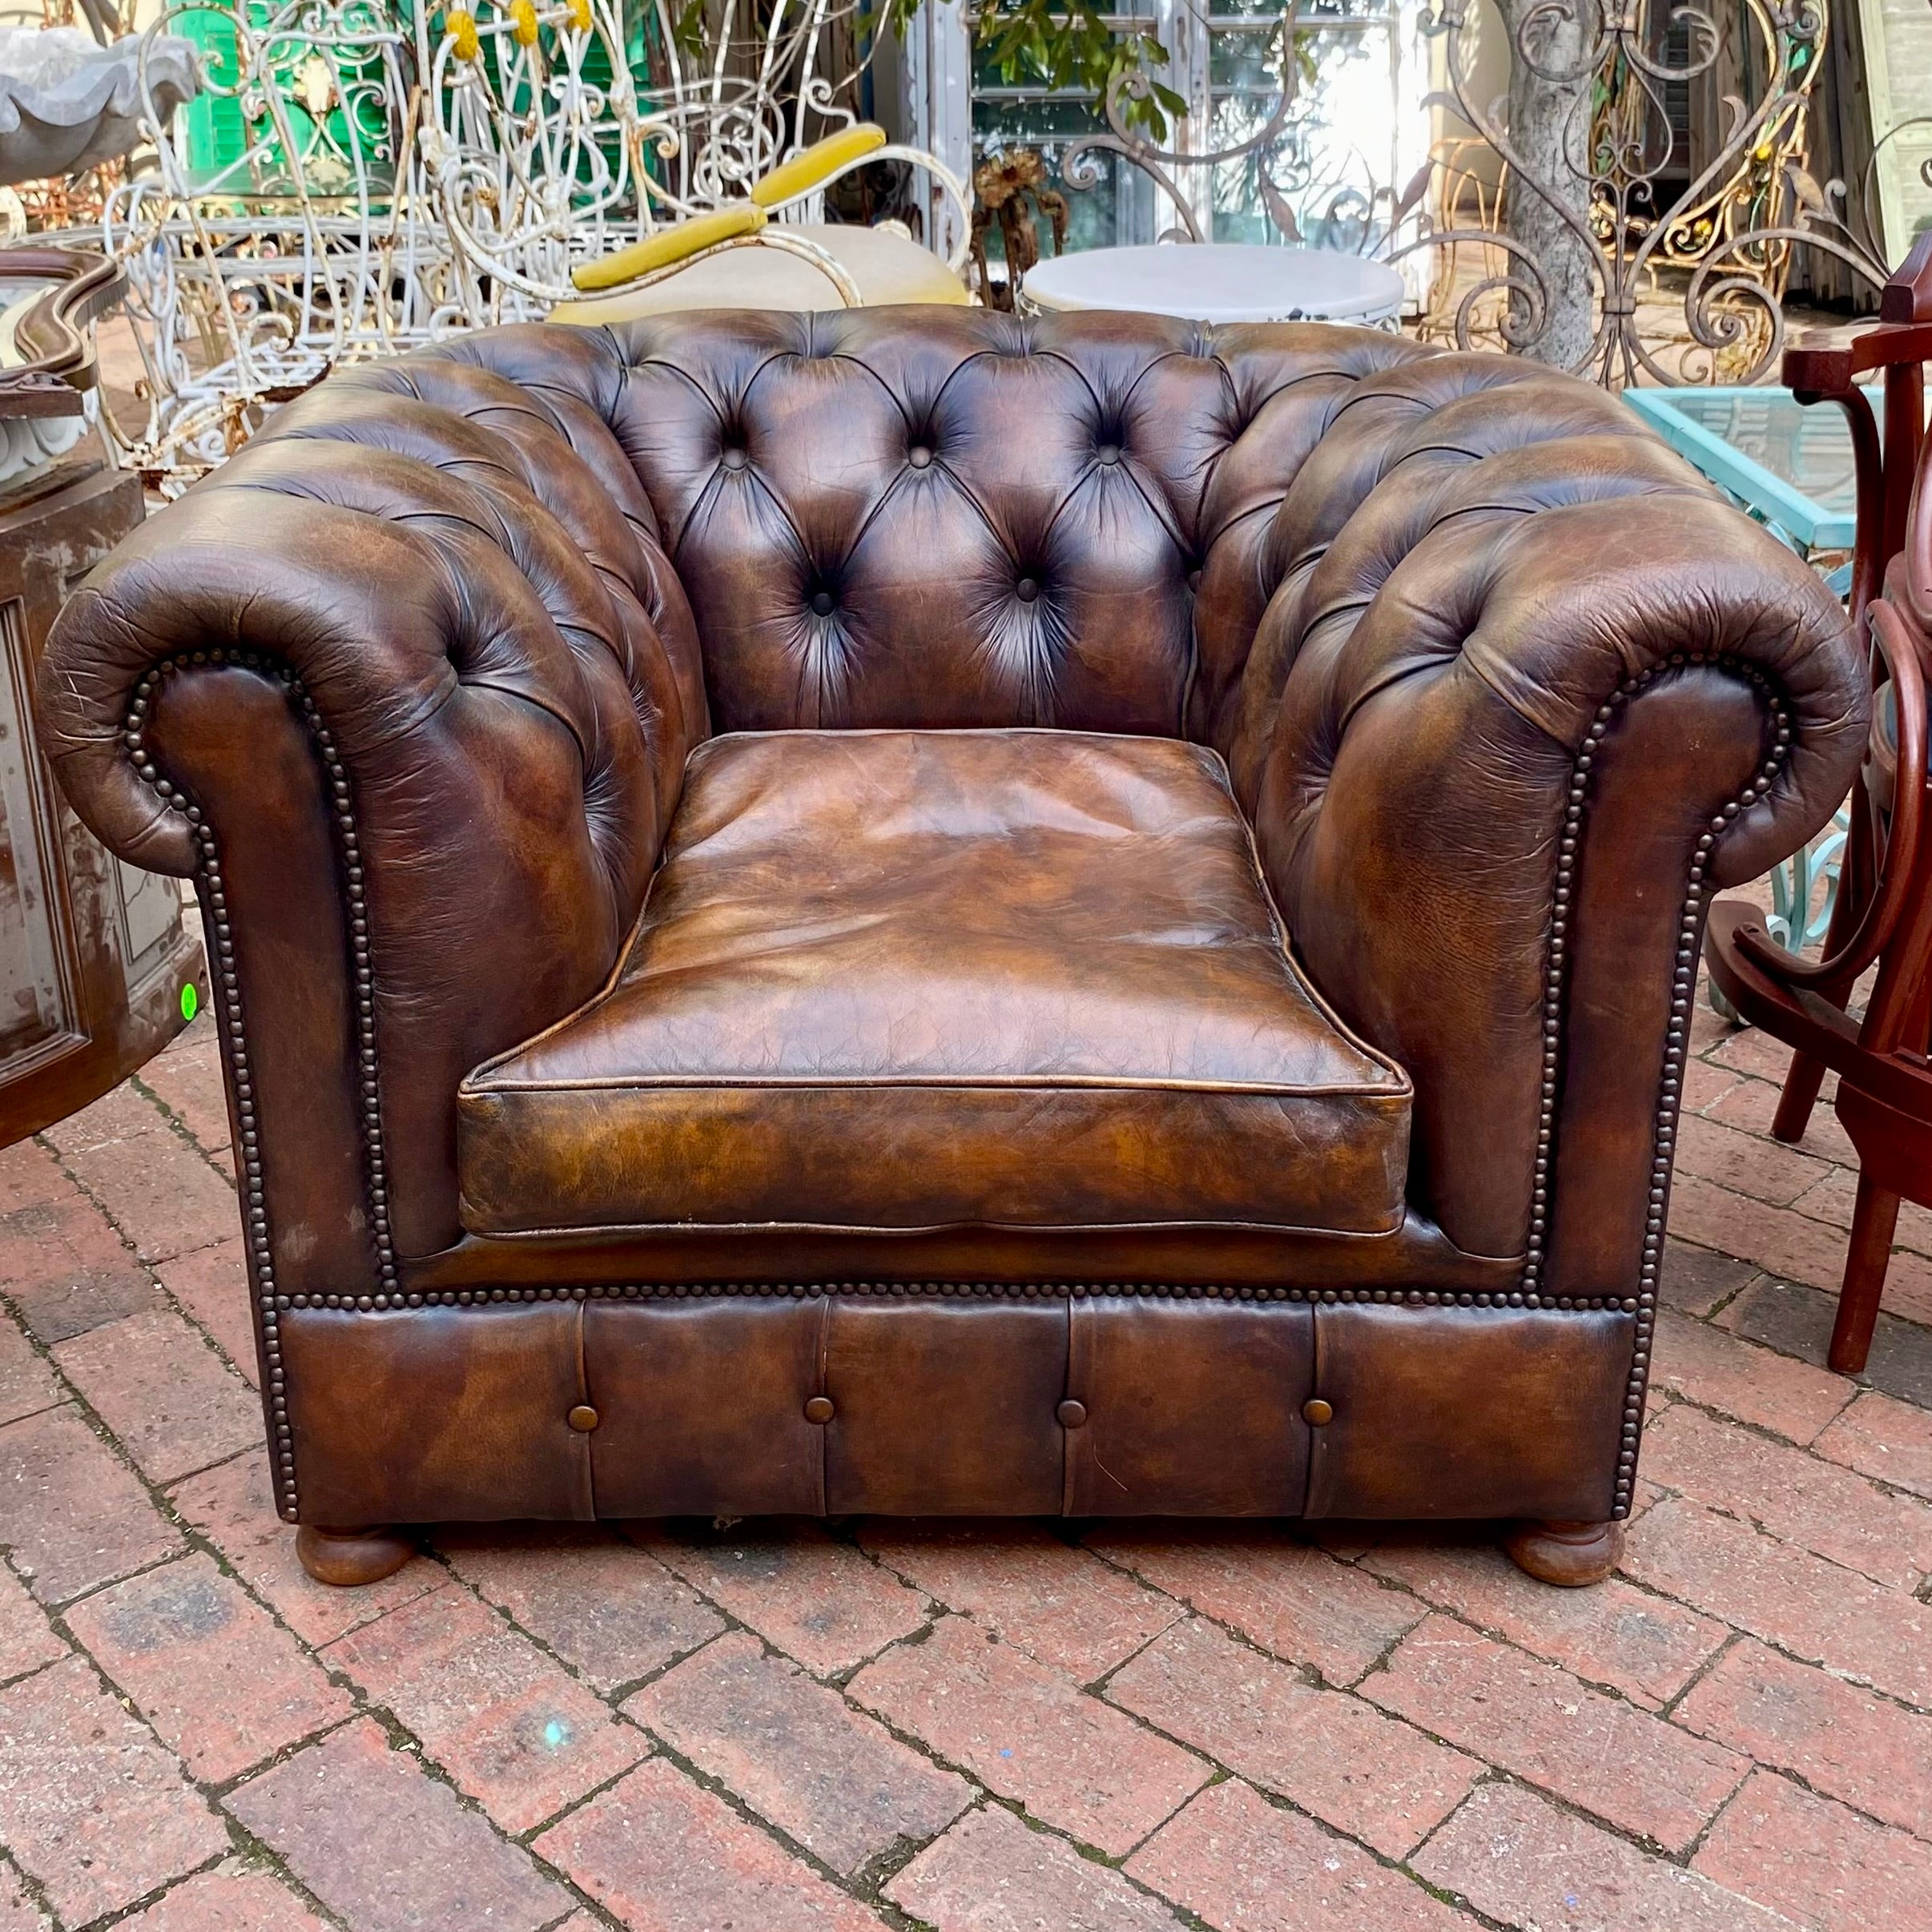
[[1684, 978], [226, 985], [1045, 1291]]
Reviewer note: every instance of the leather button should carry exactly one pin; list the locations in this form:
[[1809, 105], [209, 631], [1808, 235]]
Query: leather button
[[919, 456], [735, 458], [1194, 580], [1316, 1411], [583, 1419], [1072, 1414], [1026, 589], [1108, 452], [821, 603], [820, 1409]]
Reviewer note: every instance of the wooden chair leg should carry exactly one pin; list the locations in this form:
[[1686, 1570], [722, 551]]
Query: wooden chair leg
[[1802, 1081], [1874, 1221], [1857, 867]]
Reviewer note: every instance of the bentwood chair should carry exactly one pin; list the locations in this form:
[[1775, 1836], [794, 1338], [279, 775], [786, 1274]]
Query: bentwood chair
[[1883, 915]]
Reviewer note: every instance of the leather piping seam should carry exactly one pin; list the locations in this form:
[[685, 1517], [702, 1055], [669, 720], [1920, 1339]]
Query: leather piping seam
[[585, 1475], [1684, 985], [1313, 1490], [228, 985], [1244, 1291]]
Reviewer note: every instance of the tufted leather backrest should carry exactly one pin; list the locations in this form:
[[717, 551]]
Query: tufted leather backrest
[[1109, 522], [901, 517]]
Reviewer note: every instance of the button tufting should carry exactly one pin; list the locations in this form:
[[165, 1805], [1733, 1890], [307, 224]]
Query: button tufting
[[822, 602], [1071, 1415], [919, 456], [1026, 589], [1108, 452], [1316, 1412], [735, 458], [1194, 580], [820, 1409], [583, 1419]]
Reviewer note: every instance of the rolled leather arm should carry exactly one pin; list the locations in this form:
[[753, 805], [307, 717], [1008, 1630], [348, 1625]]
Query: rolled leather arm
[[1493, 808], [416, 730]]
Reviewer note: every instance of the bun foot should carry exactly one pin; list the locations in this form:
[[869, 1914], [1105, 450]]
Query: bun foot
[[346, 1557], [1568, 1554]]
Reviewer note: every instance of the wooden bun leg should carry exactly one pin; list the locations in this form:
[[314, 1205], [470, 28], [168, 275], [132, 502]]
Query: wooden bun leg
[[346, 1557], [1568, 1554]]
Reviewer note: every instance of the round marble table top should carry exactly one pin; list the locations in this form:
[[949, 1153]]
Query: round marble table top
[[1219, 282]]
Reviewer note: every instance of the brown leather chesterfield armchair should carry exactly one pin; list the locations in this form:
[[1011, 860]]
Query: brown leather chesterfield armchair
[[914, 911]]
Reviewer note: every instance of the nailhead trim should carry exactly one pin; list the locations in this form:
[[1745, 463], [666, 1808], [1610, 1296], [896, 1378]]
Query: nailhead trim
[[261, 1260], [1030, 1291], [1683, 984]]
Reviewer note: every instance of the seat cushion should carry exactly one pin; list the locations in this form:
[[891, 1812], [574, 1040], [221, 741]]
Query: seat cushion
[[888, 267], [909, 980]]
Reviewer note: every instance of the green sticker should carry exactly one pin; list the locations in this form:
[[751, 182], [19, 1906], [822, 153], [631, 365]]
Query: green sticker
[[191, 1001]]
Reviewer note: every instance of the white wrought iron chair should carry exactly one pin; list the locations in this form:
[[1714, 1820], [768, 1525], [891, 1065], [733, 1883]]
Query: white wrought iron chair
[[564, 191]]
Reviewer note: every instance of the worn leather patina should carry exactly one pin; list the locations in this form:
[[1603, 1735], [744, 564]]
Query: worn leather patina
[[916, 911]]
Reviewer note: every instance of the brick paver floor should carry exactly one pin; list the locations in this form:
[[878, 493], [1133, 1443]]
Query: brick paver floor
[[761, 1727]]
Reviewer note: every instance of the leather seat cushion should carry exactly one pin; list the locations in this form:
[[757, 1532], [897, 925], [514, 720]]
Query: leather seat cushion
[[904, 979]]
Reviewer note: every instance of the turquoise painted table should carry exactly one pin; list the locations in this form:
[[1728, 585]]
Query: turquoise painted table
[[1791, 468], [1788, 466]]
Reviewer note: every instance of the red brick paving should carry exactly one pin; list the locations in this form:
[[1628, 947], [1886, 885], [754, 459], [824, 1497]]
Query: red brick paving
[[70, 1514], [27, 1639], [1300, 1603], [233, 1507], [18, 1910], [991, 1874], [1883, 1438], [1029, 1733], [1807, 1606], [664, 1855], [174, 1405], [26, 1381], [818, 1601], [963, 1727], [388, 1849], [1615, 1760], [67, 1269], [609, 1610], [228, 1900], [1245, 1866], [1844, 1741], [210, 1286], [91, 1807], [1368, 1774], [1058, 1604], [1816, 1861], [220, 1681], [1645, 1646], [512, 1728], [1514, 1856], [798, 1753], [1794, 1497]]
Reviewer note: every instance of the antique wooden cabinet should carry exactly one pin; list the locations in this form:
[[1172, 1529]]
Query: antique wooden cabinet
[[98, 969]]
